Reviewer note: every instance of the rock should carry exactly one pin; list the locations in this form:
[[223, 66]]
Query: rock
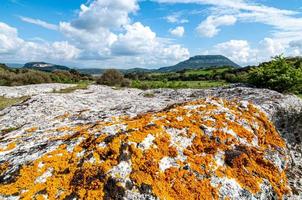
[[30, 90], [103, 142]]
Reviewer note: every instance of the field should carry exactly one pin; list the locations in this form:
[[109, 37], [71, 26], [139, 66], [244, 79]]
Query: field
[[209, 71], [177, 84]]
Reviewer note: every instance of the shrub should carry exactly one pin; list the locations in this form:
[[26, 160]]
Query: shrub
[[15, 77], [278, 75], [112, 77]]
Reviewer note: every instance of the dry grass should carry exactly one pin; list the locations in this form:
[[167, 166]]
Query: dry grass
[[7, 102], [80, 86]]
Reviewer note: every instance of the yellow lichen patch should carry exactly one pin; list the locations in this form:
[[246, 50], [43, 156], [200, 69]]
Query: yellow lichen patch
[[3, 168], [9, 147], [31, 130], [190, 143], [62, 117]]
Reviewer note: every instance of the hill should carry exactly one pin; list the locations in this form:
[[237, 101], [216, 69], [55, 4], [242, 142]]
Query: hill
[[47, 67], [91, 71], [97, 71], [27, 75], [201, 61], [14, 65]]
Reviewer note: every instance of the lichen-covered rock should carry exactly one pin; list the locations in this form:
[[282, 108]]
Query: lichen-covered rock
[[205, 149], [190, 144]]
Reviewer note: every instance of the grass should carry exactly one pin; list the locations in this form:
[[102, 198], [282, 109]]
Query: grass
[[299, 95], [80, 86], [177, 84], [8, 130], [7, 102], [149, 95], [210, 71]]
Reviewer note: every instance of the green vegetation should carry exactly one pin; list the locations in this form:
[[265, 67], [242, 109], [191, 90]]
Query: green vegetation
[[209, 71], [80, 86], [113, 77], [7, 102], [176, 84], [15, 77], [149, 95], [8, 130], [279, 74]]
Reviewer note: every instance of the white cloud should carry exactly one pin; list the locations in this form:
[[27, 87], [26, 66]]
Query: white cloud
[[95, 45], [138, 39], [237, 50], [241, 51], [281, 20], [209, 27], [105, 13], [285, 34], [12, 46], [178, 31], [104, 31], [176, 18], [141, 41], [39, 23], [9, 40]]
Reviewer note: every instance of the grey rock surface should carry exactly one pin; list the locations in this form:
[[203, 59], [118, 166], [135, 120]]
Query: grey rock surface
[[46, 111]]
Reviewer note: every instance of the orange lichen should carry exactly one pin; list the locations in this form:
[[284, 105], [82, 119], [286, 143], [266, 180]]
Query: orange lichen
[[31, 130], [9, 147], [86, 171]]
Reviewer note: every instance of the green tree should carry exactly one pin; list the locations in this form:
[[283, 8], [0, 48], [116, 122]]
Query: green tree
[[279, 75], [112, 77]]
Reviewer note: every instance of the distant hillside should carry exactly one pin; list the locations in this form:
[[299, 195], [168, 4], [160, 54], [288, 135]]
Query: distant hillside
[[138, 70], [202, 61], [14, 65], [95, 71], [47, 67], [91, 71]]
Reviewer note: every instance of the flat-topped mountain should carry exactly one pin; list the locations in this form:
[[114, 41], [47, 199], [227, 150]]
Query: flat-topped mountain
[[43, 66], [201, 61]]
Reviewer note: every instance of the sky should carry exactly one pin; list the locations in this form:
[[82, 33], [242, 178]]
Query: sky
[[147, 33]]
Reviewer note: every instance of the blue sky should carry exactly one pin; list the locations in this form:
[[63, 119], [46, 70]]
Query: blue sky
[[151, 34]]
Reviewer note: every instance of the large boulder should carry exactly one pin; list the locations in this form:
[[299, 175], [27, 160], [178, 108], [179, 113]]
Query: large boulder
[[218, 143]]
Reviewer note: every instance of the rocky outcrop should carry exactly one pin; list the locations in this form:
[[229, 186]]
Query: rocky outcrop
[[189, 144]]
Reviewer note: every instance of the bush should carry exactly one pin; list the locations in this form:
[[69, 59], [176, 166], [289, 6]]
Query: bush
[[113, 77], [15, 77], [278, 75]]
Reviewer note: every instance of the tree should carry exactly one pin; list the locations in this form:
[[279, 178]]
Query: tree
[[112, 77], [279, 75]]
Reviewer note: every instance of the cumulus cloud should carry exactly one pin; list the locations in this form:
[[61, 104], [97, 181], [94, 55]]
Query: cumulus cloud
[[11, 45], [9, 40], [178, 31], [237, 50], [210, 27], [105, 13], [103, 30], [243, 53], [138, 39]]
